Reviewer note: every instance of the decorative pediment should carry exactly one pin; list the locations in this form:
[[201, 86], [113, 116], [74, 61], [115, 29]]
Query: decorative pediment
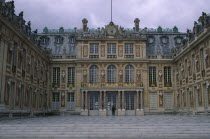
[[112, 32]]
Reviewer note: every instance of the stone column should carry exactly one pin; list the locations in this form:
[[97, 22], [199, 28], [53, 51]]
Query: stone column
[[137, 100], [100, 101], [123, 103], [82, 93], [188, 99], [86, 100], [118, 102], [105, 100], [142, 100]]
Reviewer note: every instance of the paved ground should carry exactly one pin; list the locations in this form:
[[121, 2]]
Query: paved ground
[[125, 127]]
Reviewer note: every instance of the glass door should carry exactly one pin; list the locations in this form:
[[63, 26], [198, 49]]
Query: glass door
[[111, 101], [70, 101], [56, 101]]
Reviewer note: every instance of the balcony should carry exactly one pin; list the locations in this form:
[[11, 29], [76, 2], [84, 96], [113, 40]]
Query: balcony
[[111, 85], [169, 84], [70, 85]]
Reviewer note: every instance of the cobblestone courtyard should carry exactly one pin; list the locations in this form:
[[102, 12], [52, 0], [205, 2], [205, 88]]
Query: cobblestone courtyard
[[155, 126]]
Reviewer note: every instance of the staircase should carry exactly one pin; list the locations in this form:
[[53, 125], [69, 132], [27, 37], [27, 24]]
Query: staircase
[[65, 127]]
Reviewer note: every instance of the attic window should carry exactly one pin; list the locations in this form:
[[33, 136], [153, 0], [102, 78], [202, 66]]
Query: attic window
[[43, 40], [58, 40]]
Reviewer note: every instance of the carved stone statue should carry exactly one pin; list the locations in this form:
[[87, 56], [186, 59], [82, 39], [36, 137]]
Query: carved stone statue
[[138, 75], [85, 76], [206, 58], [160, 75], [195, 28], [121, 75], [102, 76], [63, 76]]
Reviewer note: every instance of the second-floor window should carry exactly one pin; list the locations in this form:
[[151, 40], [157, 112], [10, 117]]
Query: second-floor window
[[111, 74], [129, 74], [93, 74], [202, 59], [111, 48], [94, 48], [56, 75], [152, 76], [71, 75], [193, 64], [167, 76], [129, 48]]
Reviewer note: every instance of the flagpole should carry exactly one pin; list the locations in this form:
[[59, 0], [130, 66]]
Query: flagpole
[[111, 10]]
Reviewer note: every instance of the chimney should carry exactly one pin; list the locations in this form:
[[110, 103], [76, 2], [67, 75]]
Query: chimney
[[84, 22], [136, 21]]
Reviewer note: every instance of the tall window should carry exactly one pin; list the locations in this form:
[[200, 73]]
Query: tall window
[[186, 69], [111, 74], [56, 75], [31, 65], [152, 76], [111, 48], [129, 74], [93, 74], [24, 59], [129, 48], [167, 76], [71, 75], [94, 48], [14, 55], [202, 59], [193, 63], [180, 71]]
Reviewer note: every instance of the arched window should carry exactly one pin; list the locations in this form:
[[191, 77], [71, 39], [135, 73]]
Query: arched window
[[129, 74], [93, 74], [111, 74]]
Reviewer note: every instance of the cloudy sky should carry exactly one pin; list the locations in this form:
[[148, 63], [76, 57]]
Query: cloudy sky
[[152, 13]]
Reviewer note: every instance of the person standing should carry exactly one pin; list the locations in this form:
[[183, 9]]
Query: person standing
[[113, 110]]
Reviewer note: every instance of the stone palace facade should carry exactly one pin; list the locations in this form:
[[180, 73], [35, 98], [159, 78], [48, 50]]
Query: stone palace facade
[[87, 71]]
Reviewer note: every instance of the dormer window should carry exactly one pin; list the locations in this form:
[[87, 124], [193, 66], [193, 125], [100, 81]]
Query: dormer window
[[58, 40], [44, 40]]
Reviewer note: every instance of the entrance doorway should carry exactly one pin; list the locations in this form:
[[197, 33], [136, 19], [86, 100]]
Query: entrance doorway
[[70, 101], [56, 101], [129, 103], [111, 101], [93, 105]]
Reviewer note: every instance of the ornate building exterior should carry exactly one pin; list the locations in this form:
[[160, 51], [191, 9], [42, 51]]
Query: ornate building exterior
[[87, 71]]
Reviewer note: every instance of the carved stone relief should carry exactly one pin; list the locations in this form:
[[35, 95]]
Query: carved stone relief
[[137, 50], [120, 50], [85, 50], [102, 50]]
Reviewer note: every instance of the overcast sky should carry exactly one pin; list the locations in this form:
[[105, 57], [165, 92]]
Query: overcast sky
[[152, 13]]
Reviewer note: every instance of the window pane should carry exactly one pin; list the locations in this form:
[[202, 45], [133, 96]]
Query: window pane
[[71, 75], [111, 48], [111, 73], [129, 48], [93, 74], [93, 48], [129, 74]]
